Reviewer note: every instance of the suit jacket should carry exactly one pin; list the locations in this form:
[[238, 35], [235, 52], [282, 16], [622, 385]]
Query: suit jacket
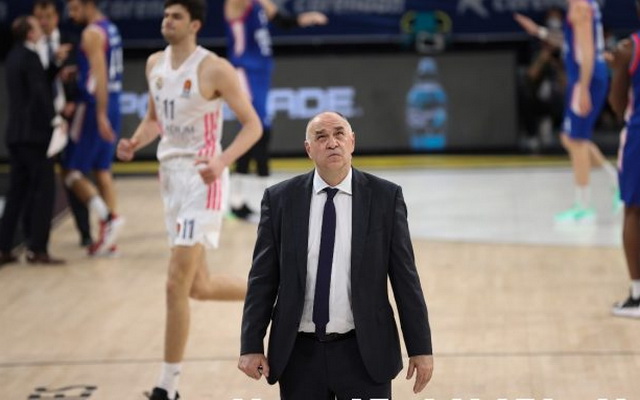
[[30, 98], [380, 250]]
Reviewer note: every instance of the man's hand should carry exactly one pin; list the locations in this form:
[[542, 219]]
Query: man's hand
[[423, 365], [527, 24], [105, 129], [126, 149], [63, 53], [312, 18], [210, 169], [582, 104], [254, 365]]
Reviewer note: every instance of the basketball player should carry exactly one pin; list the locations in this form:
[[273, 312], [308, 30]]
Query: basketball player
[[187, 87], [249, 50], [625, 95], [587, 84], [96, 121]]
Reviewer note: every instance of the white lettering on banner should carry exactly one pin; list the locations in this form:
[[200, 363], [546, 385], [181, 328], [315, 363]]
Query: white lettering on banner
[[351, 6], [132, 103], [480, 7], [305, 102], [300, 103], [133, 9]]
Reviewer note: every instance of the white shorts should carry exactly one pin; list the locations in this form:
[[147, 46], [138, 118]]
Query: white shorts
[[193, 210]]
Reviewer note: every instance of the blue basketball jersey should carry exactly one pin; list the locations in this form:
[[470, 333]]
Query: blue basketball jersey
[[113, 57], [249, 40], [570, 50], [629, 152], [633, 109]]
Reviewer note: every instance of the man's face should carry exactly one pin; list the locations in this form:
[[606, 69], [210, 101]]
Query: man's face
[[47, 17], [177, 24], [77, 11], [35, 34], [330, 142]]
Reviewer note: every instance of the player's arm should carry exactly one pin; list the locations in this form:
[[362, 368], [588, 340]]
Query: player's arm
[[282, 19], [621, 81], [93, 44], [553, 38], [580, 17], [219, 79], [149, 127]]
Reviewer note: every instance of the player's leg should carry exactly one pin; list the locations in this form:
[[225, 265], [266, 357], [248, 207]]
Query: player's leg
[[630, 191], [208, 286], [599, 160], [578, 150], [631, 243], [183, 265]]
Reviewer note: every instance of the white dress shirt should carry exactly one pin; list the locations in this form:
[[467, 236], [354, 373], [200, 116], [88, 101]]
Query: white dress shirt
[[43, 53], [340, 312]]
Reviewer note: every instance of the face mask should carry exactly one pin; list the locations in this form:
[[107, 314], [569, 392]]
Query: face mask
[[554, 23]]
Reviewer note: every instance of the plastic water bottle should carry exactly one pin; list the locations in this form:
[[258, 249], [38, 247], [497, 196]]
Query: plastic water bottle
[[426, 113]]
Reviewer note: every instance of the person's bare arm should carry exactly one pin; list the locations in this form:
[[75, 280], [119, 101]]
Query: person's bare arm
[[148, 129], [580, 18], [621, 81], [219, 79], [93, 42], [553, 38]]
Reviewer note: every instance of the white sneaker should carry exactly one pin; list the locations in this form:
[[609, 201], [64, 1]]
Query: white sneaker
[[109, 231]]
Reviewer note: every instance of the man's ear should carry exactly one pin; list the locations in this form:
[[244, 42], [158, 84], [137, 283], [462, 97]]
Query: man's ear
[[307, 147]]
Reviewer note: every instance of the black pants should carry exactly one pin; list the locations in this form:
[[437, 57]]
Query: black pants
[[31, 191], [260, 153], [324, 371]]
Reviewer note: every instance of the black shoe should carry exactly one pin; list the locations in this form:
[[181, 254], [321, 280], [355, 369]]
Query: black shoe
[[86, 241], [160, 394], [44, 259], [628, 308], [243, 212]]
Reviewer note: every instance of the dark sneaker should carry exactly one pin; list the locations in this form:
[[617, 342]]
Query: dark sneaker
[[160, 394], [629, 308], [243, 212]]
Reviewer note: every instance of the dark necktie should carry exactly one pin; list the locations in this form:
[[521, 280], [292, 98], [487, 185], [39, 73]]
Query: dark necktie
[[325, 262], [51, 55]]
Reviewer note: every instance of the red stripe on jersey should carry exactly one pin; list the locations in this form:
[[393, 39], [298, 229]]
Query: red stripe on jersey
[[635, 59]]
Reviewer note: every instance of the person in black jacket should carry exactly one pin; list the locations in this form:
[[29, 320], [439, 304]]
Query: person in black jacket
[[29, 130], [65, 91]]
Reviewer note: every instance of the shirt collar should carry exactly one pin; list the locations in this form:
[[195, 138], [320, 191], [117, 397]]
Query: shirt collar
[[31, 46], [345, 186], [55, 36]]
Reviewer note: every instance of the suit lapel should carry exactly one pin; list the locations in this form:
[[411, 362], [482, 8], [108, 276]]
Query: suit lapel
[[300, 217], [361, 204]]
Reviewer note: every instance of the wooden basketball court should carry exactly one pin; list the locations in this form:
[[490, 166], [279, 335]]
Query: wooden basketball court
[[509, 321]]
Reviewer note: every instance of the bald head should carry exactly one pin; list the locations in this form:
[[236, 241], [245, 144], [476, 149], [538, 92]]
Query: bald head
[[326, 117]]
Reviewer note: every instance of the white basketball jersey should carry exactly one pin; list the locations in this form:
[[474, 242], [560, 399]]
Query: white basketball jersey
[[190, 124]]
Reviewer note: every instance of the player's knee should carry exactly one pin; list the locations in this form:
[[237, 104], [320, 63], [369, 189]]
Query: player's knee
[[197, 293], [71, 178]]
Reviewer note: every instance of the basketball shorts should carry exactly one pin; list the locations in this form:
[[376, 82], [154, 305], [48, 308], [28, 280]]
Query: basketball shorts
[[86, 150], [194, 211], [581, 127], [629, 166]]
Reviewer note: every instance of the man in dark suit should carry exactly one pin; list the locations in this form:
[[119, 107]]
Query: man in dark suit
[[65, 91], [28, 133], [328, 242]]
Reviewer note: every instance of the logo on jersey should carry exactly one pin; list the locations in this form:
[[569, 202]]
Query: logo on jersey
[[186, 89], [159, 83]]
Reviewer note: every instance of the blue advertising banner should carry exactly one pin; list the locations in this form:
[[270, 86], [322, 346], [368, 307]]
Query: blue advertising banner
[[355, 21]]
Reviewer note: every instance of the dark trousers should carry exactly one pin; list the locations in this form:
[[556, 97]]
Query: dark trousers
[[260, 153], [80, 214], [324, 371], [31, 191]]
